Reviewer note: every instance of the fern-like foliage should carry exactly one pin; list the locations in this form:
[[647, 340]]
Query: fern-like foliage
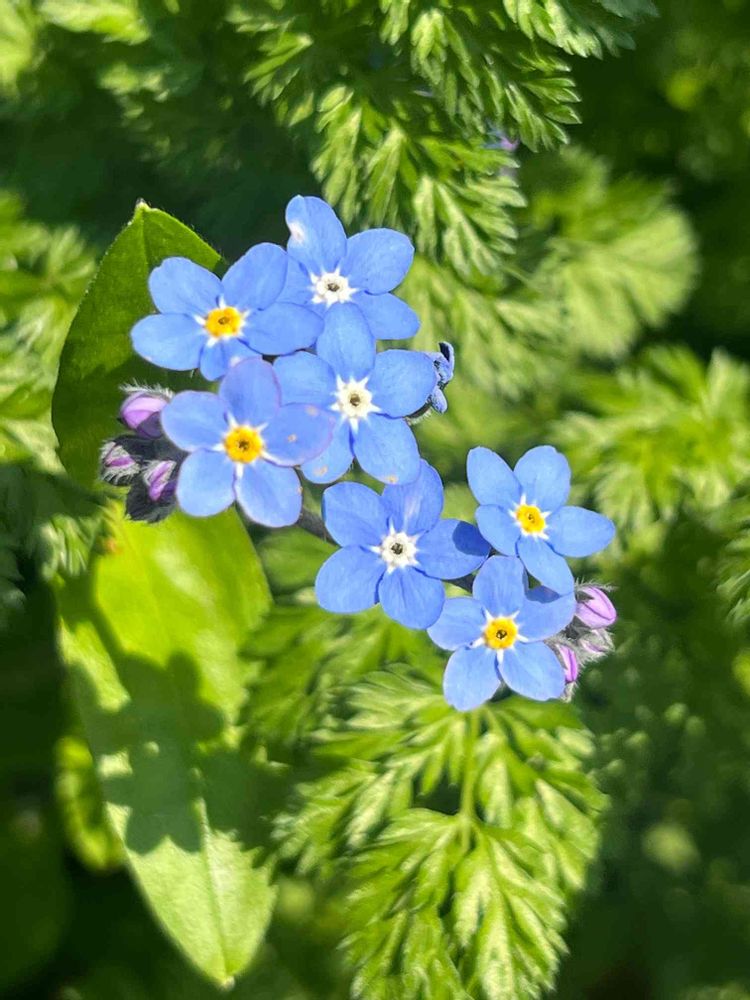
[[455, 839], [44, 519], [675, 432]]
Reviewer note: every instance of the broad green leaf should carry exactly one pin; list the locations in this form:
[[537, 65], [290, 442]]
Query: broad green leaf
[[98, 357], [151, 636], [81, 805]]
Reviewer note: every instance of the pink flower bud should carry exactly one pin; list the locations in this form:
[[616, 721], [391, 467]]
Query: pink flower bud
[[595, 609], [140, 412], [569, 662]]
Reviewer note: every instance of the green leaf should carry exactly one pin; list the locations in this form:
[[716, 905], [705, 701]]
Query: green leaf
[[82, 807], [98, 356], [117, 20], [457, 838], [151, 636]]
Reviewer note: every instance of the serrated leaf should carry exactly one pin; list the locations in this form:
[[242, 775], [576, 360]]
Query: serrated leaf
[[151, 637], [117, 20], [98, 357]]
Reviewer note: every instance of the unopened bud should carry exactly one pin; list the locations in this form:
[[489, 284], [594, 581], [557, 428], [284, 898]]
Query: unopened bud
[[569, 662], [160, 481], [116, 463], [141, 412], [595, 608], [444, 361]]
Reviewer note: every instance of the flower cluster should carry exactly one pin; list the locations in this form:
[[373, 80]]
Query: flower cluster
[[290, 337]]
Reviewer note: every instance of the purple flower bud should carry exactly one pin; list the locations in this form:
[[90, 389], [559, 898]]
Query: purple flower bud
[[140, 412], [160, 481], [595, 609], [597, 644], [569, 662], [116, 464]]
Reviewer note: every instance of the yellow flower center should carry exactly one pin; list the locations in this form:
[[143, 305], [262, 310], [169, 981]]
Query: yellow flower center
[[530, 518], [243, 444], [224, 322], [500, 633]]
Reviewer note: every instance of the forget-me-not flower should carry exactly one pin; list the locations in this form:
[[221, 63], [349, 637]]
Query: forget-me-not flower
[[369, 394], [497, 637], [395, 549], [242, 442], [209, 323], [522, 513], [357, 273]]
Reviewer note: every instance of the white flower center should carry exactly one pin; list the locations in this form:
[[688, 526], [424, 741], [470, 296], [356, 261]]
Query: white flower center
[[331, 287], [354, 400], [397, 550]]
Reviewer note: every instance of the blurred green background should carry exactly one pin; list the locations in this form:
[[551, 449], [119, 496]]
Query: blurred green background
[[612, 318]]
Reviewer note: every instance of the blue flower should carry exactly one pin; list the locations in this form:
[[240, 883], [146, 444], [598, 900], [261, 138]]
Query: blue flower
[[444, 361], [242, 443], [369, 393], [496, 635], [396, 549], [522, 513], [332, 272], [209, 323]]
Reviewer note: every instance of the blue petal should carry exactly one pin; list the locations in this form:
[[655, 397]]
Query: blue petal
[[460, 623], [377, 260], [348, 581], [282, 328], [195, 420], [387, 449], [205, 483], [491, 479], [411, 598], [332, 463], [346, 343], [317, 237], [305, 379], [401, 381], [499, 528], [218, 356], [251, 392], [388, 317], [257, 278], [470, 678], [298, 288], [269, 494], [545, 565], [533, 670], [499, 585], [544, 613], [544, 475], [178, 285], [575, 531], [451, 549], [297, 433], [415, 507], [354, 515], [173, 342]]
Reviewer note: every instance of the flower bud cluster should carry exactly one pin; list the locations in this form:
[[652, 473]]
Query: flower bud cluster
[[143, 459], [587, 637]]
